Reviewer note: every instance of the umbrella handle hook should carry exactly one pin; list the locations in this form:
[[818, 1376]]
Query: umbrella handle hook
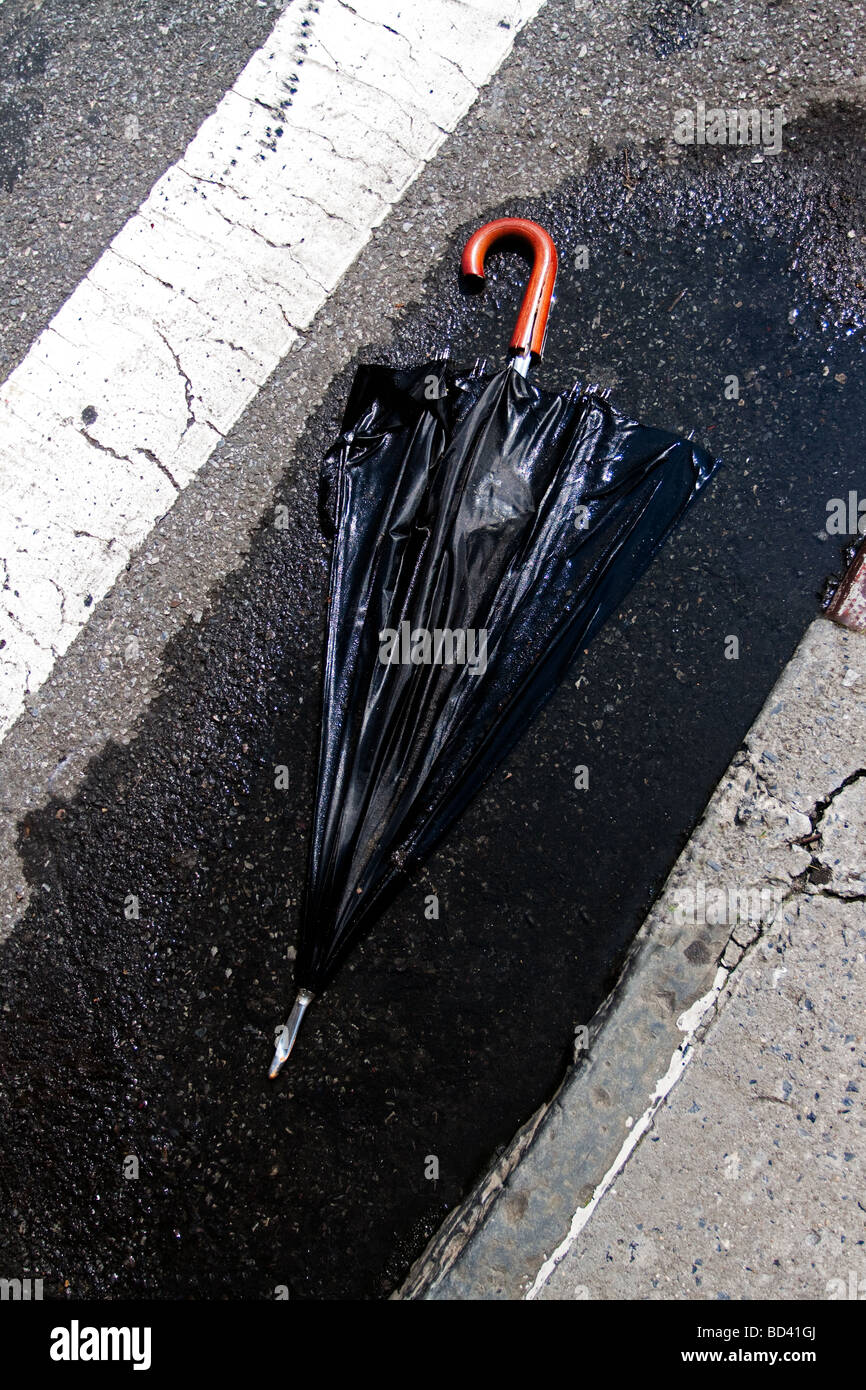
[[530, 330]]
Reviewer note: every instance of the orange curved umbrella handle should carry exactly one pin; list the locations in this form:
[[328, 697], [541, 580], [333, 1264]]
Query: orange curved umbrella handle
[[531, 327]]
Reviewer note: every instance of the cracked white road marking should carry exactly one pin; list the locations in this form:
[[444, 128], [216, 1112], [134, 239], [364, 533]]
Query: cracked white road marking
[[155, 355], [688, 1023]]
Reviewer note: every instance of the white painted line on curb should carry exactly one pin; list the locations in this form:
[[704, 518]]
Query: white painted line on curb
[[688, 1023], [155, 355]]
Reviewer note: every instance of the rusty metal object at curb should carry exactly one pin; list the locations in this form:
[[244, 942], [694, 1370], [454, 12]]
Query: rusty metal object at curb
[[848, 606]]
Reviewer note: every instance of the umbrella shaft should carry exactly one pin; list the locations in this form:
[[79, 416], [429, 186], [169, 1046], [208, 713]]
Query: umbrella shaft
[[286, 1040]]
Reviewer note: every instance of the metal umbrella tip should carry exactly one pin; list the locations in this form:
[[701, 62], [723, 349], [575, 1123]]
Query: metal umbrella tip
[[286, 1039]]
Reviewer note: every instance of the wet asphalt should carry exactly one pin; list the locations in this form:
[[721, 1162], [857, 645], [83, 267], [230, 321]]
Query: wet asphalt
[[148, 1037]]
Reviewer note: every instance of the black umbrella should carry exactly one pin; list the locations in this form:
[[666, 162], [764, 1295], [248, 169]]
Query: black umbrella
[[483, 531]]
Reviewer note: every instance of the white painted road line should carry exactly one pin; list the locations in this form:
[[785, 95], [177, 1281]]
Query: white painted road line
[[126, 393]]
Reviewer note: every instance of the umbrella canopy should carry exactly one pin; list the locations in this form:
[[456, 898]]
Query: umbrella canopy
[[483, 531]]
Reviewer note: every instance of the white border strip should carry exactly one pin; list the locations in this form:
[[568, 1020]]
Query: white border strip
[[152, 359], [688, 1023]]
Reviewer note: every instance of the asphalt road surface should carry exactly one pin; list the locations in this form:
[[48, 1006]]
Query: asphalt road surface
[[152, 773]]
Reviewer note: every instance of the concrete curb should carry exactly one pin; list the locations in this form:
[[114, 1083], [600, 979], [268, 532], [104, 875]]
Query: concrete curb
[[758, 834]]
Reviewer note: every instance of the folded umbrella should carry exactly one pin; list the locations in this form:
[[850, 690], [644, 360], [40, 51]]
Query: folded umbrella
[[483, 530]]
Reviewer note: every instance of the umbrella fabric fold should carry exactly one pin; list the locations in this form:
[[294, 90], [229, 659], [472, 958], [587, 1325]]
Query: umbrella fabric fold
[[510, 522]]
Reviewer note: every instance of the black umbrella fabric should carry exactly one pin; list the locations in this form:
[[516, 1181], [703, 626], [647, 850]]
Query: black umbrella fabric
[[483, 530]]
